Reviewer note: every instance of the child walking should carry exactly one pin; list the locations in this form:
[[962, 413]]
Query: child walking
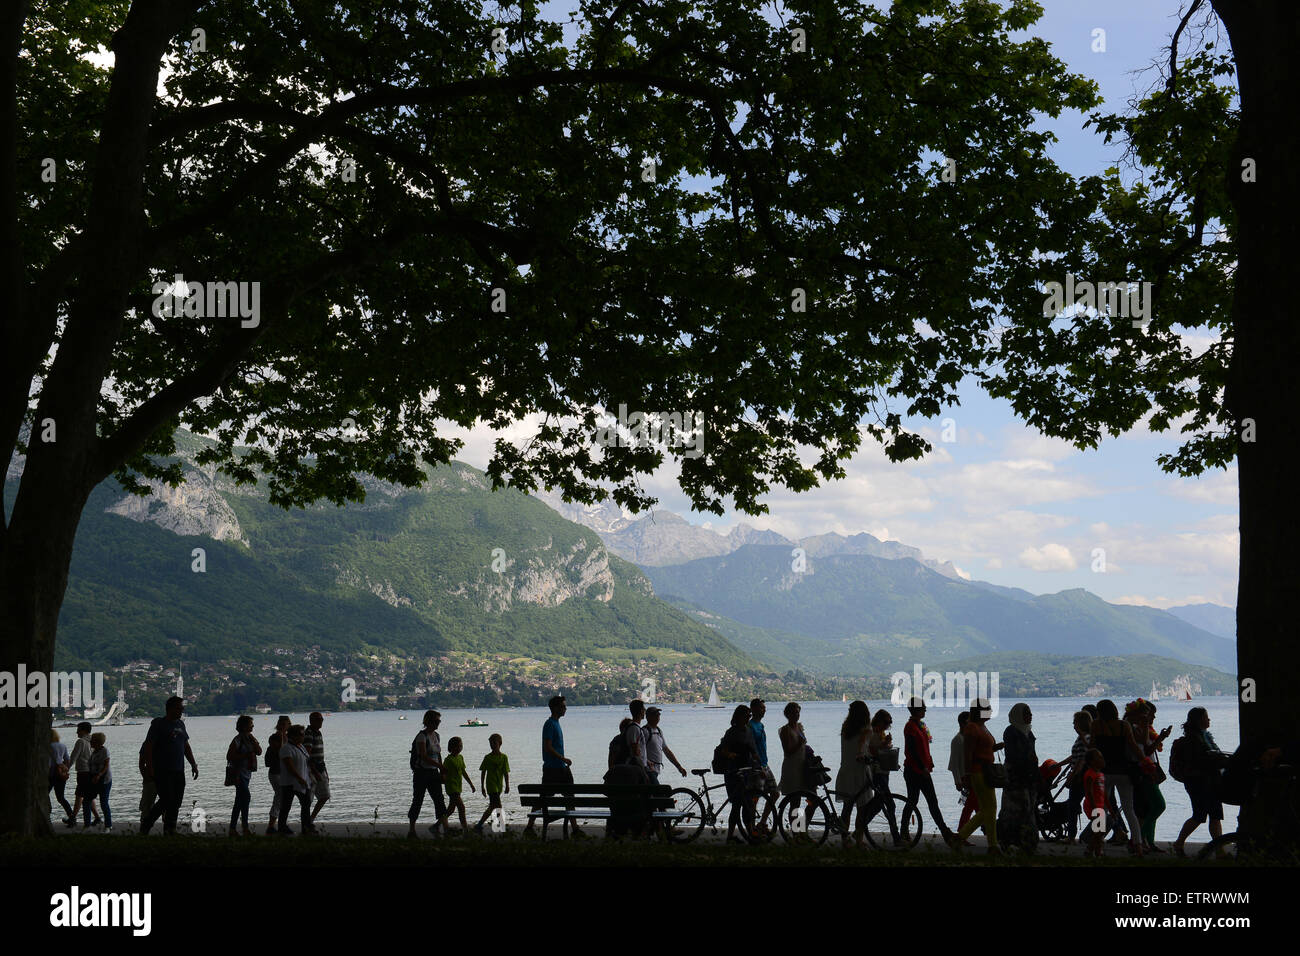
[[493, 773], [455, 775], [1094, 799]]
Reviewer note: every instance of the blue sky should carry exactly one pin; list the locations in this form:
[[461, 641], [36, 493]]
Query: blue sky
[[1001, 502]]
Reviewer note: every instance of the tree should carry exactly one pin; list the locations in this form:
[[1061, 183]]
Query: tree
[[1213, 227]]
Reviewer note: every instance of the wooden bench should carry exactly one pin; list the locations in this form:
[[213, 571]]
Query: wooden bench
[[569, 802]]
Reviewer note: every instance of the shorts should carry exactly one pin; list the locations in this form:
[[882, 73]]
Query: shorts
[[770, 779], [1205, 799], [86, 786], [320, 788], [494, 801]]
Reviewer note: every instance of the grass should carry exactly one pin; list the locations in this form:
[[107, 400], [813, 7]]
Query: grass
[[94, 850]]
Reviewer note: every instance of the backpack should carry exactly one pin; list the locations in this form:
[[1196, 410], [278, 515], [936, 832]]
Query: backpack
[[619, 752], [1178, 757], [273, 755]]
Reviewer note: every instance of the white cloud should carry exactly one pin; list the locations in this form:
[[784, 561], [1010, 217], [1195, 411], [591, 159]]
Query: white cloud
[[1219, 487], [1050, 557]]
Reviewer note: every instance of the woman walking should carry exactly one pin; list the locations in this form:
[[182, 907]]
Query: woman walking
[[880, 747], [1146, 793], [1204, 762], [241, 761], [1018, 820], [980, 746], [794, 746], [853, 782], [741, 756], [1114, 738], [60, 764], [294, 782], [918, 765], [273, 744]]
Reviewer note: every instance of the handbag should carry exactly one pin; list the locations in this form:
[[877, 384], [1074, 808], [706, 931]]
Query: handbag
[[62, 770], [232, 776], [995, 775]]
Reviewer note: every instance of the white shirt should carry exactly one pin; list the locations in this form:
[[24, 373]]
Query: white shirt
[[635, 735], [297, 758], [654, 748], [957, 759]]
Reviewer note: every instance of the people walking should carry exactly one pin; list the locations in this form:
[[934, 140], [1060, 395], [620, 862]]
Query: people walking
[[241, 761], [84, 801], [634, 736], [314, 741], [1114, 738], [273, 744], [60, 768], [494, 777], [1077, 769], [101, 776], [978, 757], [853, 781], [426, 773], [918, 765], [882, 759], [656, 747], [166, 748], [1018, 822], [1199, 762], [295, 782]]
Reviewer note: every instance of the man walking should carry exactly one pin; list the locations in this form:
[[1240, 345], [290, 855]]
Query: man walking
[[634, 736], [556, 768], [166, 748], [314, 741]]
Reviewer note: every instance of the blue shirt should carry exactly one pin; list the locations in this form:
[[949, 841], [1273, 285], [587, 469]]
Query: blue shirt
[[169, 738], [551, 731], [760, 740]]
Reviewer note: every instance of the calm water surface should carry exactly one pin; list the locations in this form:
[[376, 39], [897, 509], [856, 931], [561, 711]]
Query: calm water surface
[[367, 753]]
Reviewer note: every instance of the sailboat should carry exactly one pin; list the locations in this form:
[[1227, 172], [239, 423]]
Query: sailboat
[[116, 716], [1154, 695], [714, 702], [844, 698]]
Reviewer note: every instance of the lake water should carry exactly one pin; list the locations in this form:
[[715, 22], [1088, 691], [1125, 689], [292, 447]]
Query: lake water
[[367, 753]]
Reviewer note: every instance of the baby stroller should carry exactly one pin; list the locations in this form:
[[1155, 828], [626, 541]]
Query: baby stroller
[[1054, 813]]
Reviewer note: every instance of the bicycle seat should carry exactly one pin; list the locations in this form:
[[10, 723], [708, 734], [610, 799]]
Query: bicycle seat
[[702, 773]]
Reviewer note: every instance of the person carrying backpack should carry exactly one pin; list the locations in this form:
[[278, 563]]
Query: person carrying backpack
[[426, 773], [737, 754], [1197, 762]]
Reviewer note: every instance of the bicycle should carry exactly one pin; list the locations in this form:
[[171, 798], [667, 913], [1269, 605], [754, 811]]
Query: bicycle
[[814, 823], [696, 807], [1236, 844]]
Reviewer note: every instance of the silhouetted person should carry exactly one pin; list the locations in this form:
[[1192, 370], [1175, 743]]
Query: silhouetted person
[[166, 748]]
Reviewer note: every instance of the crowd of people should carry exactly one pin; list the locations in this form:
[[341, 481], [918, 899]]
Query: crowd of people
[[1112, 776]]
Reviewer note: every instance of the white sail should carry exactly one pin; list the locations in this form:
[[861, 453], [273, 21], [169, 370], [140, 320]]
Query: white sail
[[1154, 695], [714, 700]]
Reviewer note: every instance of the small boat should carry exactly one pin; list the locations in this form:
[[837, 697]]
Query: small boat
[[844, 698], [1187, 695], [714, 702], [475, 722], [401, 716], [1154, 695]]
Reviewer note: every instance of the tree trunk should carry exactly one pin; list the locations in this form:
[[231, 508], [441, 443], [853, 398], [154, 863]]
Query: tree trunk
[[33, 577], [1262, 380]]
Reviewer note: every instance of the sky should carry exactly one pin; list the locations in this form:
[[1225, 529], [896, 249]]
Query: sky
[[1002, 502]]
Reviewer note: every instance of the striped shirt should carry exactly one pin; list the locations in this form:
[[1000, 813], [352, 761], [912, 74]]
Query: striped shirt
[[313, 742]]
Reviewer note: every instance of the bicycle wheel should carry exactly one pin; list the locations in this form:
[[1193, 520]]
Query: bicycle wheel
[[688, 827], [804, 819], [908, 821], [766, 821]]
